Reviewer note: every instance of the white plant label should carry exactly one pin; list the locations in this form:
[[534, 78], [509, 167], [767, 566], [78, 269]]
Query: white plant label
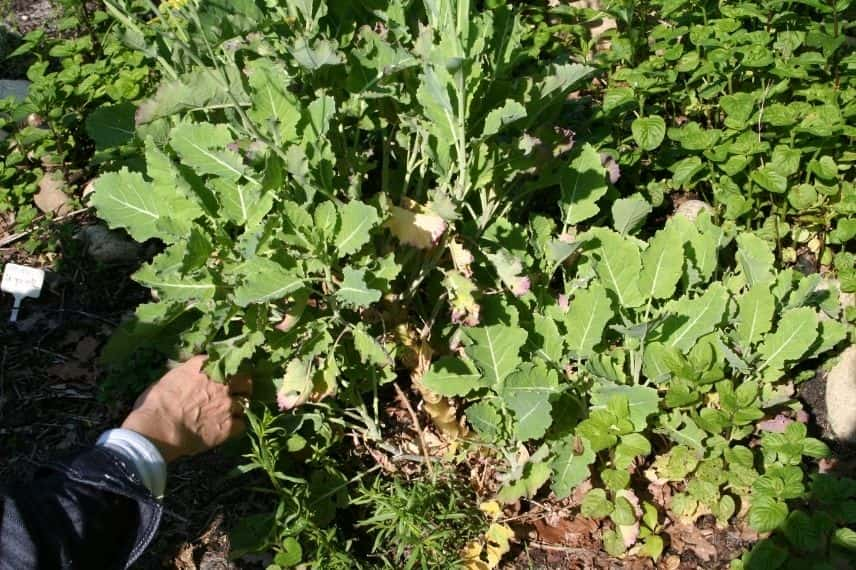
[[21, 282]]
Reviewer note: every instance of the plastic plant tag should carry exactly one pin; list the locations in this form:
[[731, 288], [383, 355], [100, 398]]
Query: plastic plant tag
[[21, 281]]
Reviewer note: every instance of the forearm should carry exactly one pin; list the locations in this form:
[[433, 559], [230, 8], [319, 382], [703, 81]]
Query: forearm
[[92, 511]]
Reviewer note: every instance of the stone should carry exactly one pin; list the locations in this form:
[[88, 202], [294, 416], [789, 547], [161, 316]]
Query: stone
[[692, 208], [841, 396], [50, 198], [109, 247], [17, 88]]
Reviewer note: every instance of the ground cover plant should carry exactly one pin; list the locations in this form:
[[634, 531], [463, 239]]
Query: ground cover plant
[[78, 111], [361, 201]]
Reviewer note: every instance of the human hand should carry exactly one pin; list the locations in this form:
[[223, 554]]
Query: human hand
[[185, 412]]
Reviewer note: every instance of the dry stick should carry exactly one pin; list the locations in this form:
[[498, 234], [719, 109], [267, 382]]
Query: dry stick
[[15, 237], [403, 397]]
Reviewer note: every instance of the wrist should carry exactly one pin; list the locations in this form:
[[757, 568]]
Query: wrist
[[156, 430]]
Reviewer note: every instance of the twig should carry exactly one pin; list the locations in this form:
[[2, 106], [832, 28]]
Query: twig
[[15, 237], [403, 397]]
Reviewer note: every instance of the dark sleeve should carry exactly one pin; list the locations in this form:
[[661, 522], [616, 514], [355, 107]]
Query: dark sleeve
[[89, 512]]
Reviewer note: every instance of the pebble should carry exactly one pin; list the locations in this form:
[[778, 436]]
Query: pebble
[[841, 396], [109, 247]]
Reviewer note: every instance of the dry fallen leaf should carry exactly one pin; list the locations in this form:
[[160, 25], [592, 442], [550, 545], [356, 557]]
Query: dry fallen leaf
[[686, 537]]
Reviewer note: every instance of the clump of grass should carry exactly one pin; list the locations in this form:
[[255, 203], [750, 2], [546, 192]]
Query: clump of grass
[[419, 523]]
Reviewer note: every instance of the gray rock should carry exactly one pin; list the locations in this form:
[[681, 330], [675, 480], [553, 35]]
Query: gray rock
[[841, 396], [51, 199], [17, 88], [692, 208], [109, 247]]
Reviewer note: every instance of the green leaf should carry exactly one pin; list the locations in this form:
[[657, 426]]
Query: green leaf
[[768, 178], [127, 201], [316, 55], [264, 280], [755, 258], [163, 274], [684, 170], [369, 349], [618, 266], [595, 504], [111, 125], [756, 314], [496, 349], [662, 265], [485, 419], [534, 477], [794, 336], [527, 392], [357, 220], [354, 291], [295, 386], [629, 213], [643, 401], [549, 342], [510, 111], [623, 513], [767, 514], [583, 184], [274, 108], [844, 538], [586, 320], [629, 447], [570, 468], [652, 547], [199, 146], [648, 132], [450, 376], [694, 318]]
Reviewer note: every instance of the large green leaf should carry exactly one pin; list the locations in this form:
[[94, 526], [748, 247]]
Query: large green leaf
[[264, 280], [159, 209], [274, 108], [201, 146], [510, 111], [586, 320], [643, 401], [794, 335], [755, 258], [354, 291], [629, 213], [527, 392], [357, 220], [693, 318], [662, 265], [569, 467], [126, 200], [583, 184], [496, 349], [618, 266], [450, 376], [756, 314], [164, 275]]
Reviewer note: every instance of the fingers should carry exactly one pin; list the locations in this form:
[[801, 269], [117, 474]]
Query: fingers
[[195, 364], [241, 384]]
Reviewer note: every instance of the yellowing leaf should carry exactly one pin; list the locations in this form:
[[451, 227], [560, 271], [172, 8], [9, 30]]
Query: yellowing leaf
[[294, 388], [415, 225], [491, 509], [498, 543]]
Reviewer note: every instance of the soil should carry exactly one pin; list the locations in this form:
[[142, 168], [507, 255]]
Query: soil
[[52, 402]]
